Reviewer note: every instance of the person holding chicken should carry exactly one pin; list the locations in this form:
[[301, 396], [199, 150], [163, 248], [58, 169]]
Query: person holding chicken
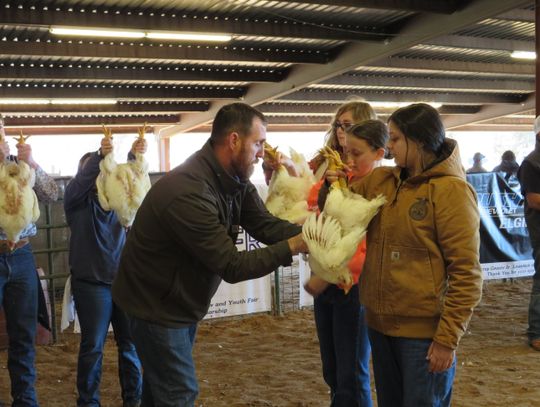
[[421, 278], [339, 317], [96, 242], [19, 282], [182, 245]]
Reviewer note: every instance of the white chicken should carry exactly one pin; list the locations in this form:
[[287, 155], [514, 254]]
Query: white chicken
[[122, 187], [18, 202], [333, 236], [287, 194]]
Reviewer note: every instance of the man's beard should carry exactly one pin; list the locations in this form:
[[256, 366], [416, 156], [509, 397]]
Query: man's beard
[[243, 171]]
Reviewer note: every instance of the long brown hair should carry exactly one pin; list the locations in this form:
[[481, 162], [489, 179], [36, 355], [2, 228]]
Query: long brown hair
[[360, 111]]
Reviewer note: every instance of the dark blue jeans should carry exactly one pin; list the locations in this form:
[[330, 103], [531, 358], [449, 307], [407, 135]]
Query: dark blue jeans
[[18, 296], [344, 346], [533, 331], [168, 370], [96, 310], [401, 373]]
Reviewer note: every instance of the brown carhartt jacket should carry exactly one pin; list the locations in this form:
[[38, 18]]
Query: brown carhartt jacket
[[422, 276]]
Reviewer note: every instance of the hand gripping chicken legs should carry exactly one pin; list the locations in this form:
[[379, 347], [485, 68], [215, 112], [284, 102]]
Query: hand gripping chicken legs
[[122, 187], [18, 202]]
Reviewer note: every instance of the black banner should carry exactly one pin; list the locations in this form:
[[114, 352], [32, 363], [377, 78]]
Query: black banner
[[505, 247]]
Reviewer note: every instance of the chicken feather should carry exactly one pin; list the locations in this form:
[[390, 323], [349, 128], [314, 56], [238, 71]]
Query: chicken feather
[[122, 187], [287, 195], [19, 205], [333, 236]]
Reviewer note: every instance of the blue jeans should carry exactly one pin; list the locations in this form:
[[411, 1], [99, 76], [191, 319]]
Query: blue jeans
[[18, 296], [401, 373], [168, 369], [96, 310], [533, 332], [344, 346]]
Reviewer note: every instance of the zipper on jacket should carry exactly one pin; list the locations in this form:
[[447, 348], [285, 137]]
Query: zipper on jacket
[[379, 282], [397, 191]]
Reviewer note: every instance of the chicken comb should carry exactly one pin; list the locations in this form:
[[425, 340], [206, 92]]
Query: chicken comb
[[107, 132], [21, 139], [142, 131]]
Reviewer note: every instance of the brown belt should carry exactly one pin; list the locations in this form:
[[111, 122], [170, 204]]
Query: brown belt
[[7, 246]]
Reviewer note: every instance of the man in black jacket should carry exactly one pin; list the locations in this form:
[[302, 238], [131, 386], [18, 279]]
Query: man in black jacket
[[182, 245]]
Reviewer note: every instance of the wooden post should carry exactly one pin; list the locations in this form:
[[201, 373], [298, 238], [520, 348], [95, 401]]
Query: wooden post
[[165, 153]]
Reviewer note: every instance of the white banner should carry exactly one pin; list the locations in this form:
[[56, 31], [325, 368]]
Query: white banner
[[246, 297], [241, 298], [508, 269], [304, 273]]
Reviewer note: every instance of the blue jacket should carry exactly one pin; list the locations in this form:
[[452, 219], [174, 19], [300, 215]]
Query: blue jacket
[[97, 238]]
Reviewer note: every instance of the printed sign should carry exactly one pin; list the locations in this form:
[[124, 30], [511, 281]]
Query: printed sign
[[505, 247], [246, 297]]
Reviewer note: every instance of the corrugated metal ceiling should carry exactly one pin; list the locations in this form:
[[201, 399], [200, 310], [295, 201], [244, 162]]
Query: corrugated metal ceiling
[[278, 48]]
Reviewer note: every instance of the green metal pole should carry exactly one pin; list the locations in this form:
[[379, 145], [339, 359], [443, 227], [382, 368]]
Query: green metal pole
[[51, 285], [277, 299]]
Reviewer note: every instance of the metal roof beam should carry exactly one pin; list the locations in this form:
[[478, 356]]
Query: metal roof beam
[[133, 72], [119, 108], [60, 130], [437, 66], [429, 6], [330, 108], [421, 28], [313, 95], [192, 22], [173, 53], [518, 15], [490, 113], [85, 121], [124, 92], [470, 42], [443, 85]]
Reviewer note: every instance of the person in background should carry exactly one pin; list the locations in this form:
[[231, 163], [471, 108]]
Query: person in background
[[477, 164], [339, 317], [96, 241], [347, 115], [422, 277], [182, 245], [508, 165], [19, 285], [528, 175]]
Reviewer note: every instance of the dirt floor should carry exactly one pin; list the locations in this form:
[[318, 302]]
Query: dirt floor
[[273, 361]]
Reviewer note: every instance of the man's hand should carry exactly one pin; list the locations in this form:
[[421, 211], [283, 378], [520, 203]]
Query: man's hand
[[139, 146], [297, 244], [106, 146], [24, 153], [440, 357], [4, 150]]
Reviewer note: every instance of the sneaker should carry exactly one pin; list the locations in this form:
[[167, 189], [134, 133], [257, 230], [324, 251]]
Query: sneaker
[[535, 344]]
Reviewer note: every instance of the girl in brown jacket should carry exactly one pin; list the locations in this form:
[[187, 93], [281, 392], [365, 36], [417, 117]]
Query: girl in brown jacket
[[422, 276]]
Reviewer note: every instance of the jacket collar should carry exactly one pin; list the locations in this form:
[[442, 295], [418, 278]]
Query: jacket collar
[[227, 183]]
